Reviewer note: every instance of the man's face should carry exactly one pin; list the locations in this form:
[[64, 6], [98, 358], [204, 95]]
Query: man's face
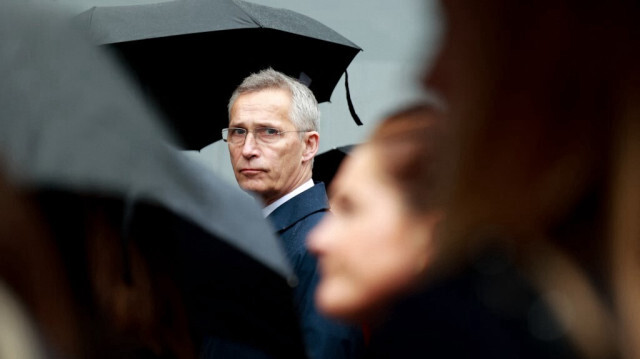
[[269, 170]]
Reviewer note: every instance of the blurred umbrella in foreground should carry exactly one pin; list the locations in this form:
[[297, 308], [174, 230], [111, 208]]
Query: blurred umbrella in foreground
[[189, 55], [114, 195]]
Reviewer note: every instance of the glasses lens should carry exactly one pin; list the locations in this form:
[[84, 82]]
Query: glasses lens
[[267, 134], [236, 135]]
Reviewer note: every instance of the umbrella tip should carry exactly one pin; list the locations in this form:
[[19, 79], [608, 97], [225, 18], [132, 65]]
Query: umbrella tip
[[352, 110]]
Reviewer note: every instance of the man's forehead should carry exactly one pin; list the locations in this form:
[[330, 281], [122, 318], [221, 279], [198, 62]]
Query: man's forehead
[[261, 109]]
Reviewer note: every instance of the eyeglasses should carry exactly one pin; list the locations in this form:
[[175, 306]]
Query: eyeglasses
[[264, 135]]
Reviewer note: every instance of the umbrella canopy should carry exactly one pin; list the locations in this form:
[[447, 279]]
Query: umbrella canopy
[[71, 123], [326, 164], [189, 55]]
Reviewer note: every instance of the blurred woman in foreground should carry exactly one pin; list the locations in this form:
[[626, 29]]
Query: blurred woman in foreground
[[539, 254], [377, 245]]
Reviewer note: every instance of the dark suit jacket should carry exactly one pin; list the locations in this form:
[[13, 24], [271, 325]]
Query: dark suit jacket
[[293, 221], [488, 310]]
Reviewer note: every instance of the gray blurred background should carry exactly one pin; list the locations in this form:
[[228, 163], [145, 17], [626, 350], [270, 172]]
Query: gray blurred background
[[399, 39]]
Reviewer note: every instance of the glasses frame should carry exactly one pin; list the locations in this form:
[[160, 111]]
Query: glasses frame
[[277, 135]]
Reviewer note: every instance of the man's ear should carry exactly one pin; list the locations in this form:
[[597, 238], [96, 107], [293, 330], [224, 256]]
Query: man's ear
[[311, 143]]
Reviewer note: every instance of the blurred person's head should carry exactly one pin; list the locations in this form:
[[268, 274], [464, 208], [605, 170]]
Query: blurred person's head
[[272, 135], [89, 291], [536, 93], [31, 267], [544, 100], [377, 243], [119, 264]]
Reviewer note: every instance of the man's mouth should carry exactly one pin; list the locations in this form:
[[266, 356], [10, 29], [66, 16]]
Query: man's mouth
[[250, 171]]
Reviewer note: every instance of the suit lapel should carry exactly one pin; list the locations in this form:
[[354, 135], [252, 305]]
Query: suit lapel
[[299, 207]]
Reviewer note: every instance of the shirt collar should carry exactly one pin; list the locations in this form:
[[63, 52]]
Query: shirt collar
[[272, 207]]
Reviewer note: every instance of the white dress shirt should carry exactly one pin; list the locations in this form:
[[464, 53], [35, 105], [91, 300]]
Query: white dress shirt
[[272, 207]]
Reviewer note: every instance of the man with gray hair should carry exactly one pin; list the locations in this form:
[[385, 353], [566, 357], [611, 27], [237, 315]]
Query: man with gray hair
[[273, 138]]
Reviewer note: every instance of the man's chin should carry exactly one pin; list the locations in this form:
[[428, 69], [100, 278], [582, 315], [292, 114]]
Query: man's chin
[[252, 188]]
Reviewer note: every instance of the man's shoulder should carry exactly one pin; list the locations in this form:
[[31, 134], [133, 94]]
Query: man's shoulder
[[317, 192], [306, 207], [315, 198]]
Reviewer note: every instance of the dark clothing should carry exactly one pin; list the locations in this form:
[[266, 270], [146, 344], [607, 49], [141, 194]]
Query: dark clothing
[[488, 310], [293, 221]]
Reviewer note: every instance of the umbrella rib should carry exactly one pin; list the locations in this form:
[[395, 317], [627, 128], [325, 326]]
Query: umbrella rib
[[93, 11], [236, 2]]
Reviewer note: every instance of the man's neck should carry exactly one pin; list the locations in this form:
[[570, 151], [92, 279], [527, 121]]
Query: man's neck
[[277, 203]]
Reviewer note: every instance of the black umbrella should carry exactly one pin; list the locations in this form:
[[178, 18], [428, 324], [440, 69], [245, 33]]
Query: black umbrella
[[326, 164], [189, 55], [73, 130]]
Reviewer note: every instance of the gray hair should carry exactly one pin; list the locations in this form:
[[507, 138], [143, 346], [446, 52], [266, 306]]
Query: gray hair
[[305, 114]]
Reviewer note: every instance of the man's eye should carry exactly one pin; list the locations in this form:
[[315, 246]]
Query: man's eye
[[270, 131], [238, 131]]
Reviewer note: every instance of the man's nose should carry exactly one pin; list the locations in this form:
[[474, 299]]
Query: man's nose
[[250, 145]]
